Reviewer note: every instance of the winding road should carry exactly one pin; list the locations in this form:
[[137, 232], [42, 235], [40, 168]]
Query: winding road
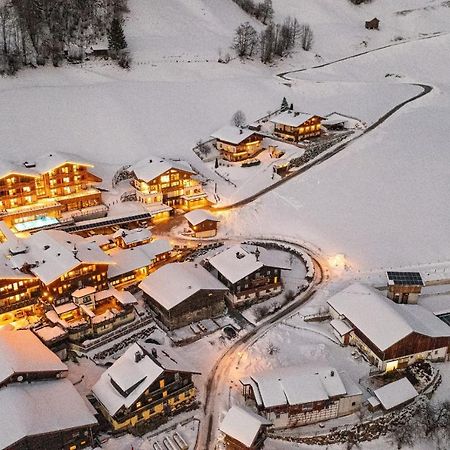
[[217, 378]]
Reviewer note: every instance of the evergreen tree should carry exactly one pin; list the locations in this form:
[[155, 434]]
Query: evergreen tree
[[284, 105], [116, 36]]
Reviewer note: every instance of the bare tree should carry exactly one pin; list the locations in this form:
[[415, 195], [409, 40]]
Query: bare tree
[[238, 119], [267, 41], [306, 37], [404, 434], [245, 40], [264, 11]]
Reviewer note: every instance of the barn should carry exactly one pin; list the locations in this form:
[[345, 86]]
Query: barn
[[391, 335]]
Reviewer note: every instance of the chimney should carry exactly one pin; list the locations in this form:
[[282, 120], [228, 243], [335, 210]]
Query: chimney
[[257, 253], [150, 161], [240, 131], [195, 265], [154, 352], [332, 373], [75, 251], [138, 356], [296, 114]]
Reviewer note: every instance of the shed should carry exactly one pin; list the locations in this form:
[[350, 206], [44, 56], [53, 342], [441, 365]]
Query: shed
[[202, 223], [373, 24], [396, 394]]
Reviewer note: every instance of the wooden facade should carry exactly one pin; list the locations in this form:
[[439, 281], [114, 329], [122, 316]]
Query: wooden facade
[[205, 229], [309, 128], [373, 24], [245, 149], [174, 187], [67, 187], [257, 286], [234, 444], [204, 304]]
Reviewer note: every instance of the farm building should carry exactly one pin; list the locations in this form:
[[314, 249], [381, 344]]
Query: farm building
[[404, 287], [161, 181], [243, 429], [143, 385], [396, 394], [182, 293], [250, 273], [294, 126], [295, 396], [236, 143], [132, 238], [390, 335], [202, 223]]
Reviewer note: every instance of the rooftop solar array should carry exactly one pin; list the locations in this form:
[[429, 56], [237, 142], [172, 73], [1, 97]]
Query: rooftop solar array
[[405, 278], [106, 223]]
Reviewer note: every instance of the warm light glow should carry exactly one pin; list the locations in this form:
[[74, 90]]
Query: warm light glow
[[337, 261]]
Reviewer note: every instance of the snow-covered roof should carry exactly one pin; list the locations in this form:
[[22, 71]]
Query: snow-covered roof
[[65, 308], [133, 236], [341, 326], [153, 166], [52, 253], [22, 352], [10, 167], [49, 333], [233, 135], [124, 297], [437, 304], [82, 292], [173, 283], [242, 424], [129, 259], [50, 161], [292, 118], [197, 216], [396, 393], [132, 377], [237, 262], [298, 385], [41, 407], [383, 321]]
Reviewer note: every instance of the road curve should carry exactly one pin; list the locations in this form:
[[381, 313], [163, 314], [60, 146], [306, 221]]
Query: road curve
[[209, 424]]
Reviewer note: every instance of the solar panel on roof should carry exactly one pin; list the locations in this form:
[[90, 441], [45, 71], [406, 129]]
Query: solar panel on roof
[[405, 278]]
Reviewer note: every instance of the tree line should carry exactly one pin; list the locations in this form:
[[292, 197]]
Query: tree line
[[275, 40], [263, 11], [33, 32]]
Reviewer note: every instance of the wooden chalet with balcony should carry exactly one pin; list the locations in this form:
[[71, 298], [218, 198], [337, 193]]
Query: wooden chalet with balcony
[[250, 273], [182, 293], [295, 126], [143, 387], [297, 396], [55, 186], [159, 181], [44, 409], [392, 336], [237, 144]]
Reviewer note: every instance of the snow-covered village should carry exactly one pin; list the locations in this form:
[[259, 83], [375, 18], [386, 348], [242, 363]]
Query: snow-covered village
[[224, 225]]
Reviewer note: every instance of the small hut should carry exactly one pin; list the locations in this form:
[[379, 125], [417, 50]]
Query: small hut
[[373, 24]]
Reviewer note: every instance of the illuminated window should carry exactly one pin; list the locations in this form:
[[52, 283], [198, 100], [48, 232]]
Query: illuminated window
[[26, 189], [66, 180], [66, 190], [165, 179]]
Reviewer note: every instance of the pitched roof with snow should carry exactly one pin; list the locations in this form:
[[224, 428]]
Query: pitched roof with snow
[[39, 408], [173, 283], [129, 377], [233, 135], [197, 216], [395, 394], [127, 260], [237, 262], [292, 118], [243, 425], [383, 321], [50, 161], [133, 236], [10, 167], [22, 352], [297, 385], [153, 166], [52, 253]]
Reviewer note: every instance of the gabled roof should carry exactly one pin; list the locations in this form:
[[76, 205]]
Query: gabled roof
[[198, 216], [22, 352], [292, 118], [237, 262], [396, 393], [297, 385], [232, 135], [173, 283], [133, 236], [10, 167], [49, 161], [243, 425], [129, 259], [133, 373], [52, 253], [153, 166], [41, 407], [383, 321]]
